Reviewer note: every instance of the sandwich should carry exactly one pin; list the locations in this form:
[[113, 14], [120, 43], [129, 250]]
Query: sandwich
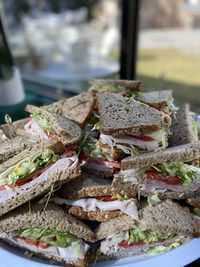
[[96, 160], [77, 108], [168, 173], [91, 198], [161, 100], [48, 233], [161, 228], [195, 203], [44, 125], [183, 129], [34, 172], [130, 125], [12, 147], [125, 87]]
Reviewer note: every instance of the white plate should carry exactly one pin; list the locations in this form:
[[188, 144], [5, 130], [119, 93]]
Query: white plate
[[186, 253], [178, 257]]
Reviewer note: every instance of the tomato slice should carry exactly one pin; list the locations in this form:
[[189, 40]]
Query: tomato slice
[[69, 153], [126, 244], [155, 175], [107, 198], [142, 137], [111, 164], [37, 243]]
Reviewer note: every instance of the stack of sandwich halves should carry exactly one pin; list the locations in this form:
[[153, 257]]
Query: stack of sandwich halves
[[107, 174]]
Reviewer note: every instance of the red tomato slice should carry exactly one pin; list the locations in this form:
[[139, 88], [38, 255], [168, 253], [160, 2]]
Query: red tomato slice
[[43, 245], [155, 175], [111, 164], [107, 198], [142, 137], [29, 241], [126, 244], [69, 153]]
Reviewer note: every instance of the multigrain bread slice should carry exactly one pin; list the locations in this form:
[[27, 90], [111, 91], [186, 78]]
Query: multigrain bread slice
[[10, 130], [50, 217], [161, 100], [183, 129], [66, 131], [88, 185], [54, 176], [12, 147], [115, 86], [77, 108], [194, 201], [166, 216], [183, 153], [99, 216], [116, 115]]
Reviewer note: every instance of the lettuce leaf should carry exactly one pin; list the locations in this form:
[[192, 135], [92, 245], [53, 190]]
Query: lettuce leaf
[[148, 236], [196, 211], [153, 199], [161, 248], [27, 166], [120, 197], [42, 121], [180, 169], [129, 149], [94, 123], [49, 236]]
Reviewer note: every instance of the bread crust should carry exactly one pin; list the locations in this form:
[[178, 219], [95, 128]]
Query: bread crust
[[11, 130], [194, 201], [100, 216]]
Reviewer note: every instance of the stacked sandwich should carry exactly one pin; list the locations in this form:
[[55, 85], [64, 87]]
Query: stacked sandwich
[[107, 174]]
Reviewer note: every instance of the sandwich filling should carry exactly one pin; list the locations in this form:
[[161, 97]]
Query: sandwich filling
[[106, 203], [39, 127], [175, 176], [132, 144], [140, 240], [33, 167], [93, 156], [52, 242]]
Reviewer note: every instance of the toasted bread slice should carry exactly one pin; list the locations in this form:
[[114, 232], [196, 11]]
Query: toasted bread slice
[[184, 153], [116, 115], [10, 130], [67, 132], [77, 108], [161, 100], [183, 129], [194, 201]]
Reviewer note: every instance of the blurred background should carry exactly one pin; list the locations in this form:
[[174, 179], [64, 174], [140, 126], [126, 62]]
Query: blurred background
[[60, 45]]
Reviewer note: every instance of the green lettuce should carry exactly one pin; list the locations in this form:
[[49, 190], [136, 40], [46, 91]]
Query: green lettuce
[[153, 199], [194, 128], [148, 236], [196, 211], [161, 248], [120, 197], [132, 150], [42, 121], [27, 166], [49, 236], [179, 169]]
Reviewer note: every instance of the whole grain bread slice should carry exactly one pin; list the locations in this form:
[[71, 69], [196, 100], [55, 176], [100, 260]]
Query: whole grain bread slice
[[194, 201], [116, 115], [116, 86], [88, 185], [99, 216], [183, 129], [166, 216], [67, 131], [157, 99], [12, 147], [37, 215], [77, 108], [183, 153]]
